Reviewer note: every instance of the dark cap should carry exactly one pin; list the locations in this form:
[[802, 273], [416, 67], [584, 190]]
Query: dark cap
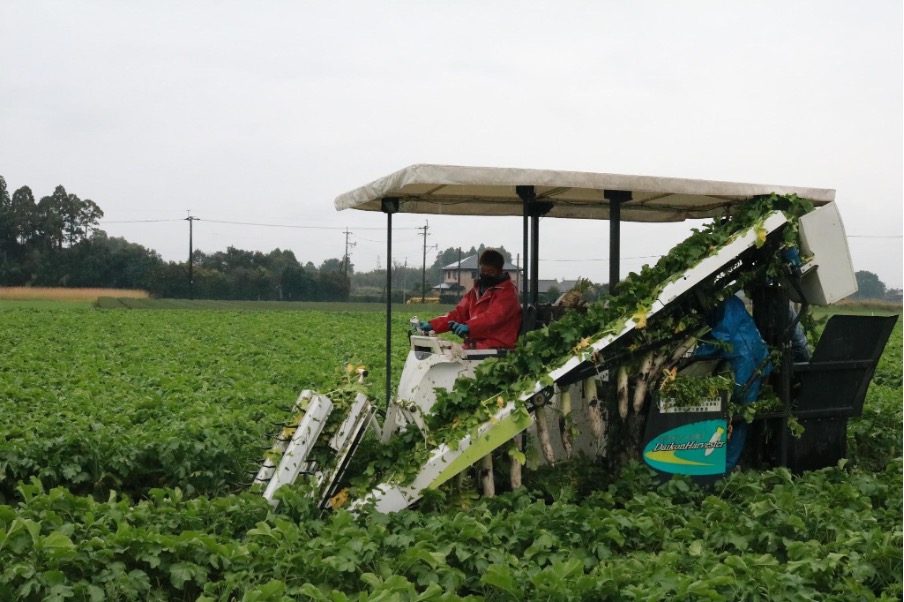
[[492, 258]]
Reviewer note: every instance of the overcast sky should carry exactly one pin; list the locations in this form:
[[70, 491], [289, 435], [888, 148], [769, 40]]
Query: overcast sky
[[264, 112]]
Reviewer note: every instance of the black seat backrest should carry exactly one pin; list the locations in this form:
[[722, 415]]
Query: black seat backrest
[[853, 338], [835, 380]]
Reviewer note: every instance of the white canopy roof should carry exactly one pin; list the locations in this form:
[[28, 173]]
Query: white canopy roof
[[460, 190]]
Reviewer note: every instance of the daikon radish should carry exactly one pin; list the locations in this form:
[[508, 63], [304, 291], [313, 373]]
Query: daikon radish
[[515, 469], [543, 434], [640, 386], [623, 391], [565, 420], [486, 476], [594, 414]]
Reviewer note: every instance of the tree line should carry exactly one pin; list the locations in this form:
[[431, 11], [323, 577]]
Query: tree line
[[55, 241]]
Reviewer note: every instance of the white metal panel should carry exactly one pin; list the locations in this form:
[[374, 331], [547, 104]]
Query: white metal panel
[[391, 498], [303, 440], [716, 262], [282, 440], [344, 442], [829, 277], [680, 285], [387, 499]]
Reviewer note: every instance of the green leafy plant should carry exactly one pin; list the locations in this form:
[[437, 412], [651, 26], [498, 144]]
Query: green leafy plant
[[138, 383]]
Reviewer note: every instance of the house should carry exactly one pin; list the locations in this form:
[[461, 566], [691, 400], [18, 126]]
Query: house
[[562, 286], [459, 277]]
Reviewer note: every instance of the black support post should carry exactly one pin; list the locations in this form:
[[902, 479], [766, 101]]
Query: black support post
[[533, 210], [615, 198], [527, 195], [535, 254], [389, 206]]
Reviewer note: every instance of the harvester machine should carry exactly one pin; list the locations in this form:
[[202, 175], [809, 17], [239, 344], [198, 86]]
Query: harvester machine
[[666, 369]]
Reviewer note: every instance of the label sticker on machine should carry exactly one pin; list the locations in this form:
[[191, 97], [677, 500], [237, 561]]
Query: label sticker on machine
[[704, 404], [692, 449]]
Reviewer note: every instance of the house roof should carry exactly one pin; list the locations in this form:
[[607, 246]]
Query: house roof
[[470, 263], [562, 286]]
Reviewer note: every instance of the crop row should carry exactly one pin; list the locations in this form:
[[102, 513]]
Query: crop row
[[129, 400], [128, 438], [830, 535]]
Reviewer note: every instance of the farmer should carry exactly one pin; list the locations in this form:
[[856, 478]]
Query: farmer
[[489, 316], [735, 338]]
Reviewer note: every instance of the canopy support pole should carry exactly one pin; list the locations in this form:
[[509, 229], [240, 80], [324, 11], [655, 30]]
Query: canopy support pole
[[389, 206], [533, 209], [526, 194], [537, 210], [615, 198], [535, 255]]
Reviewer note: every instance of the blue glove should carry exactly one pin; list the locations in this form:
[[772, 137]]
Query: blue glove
[[459, 328], [425, 326], [792, 256]]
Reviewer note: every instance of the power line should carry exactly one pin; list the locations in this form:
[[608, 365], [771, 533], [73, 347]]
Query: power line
[[216, 221], [293, 226], [583, 260], [139, 221]]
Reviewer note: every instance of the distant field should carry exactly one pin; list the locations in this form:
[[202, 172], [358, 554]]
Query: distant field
[[428, 310], [865, 307], [39, 293], [103, 298], [424, 310]]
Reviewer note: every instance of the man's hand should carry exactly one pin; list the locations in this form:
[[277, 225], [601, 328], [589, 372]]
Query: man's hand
[[459, 328], [425, 326]]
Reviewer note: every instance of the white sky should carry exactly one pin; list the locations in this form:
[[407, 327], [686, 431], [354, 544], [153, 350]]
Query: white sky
[[264, 112]]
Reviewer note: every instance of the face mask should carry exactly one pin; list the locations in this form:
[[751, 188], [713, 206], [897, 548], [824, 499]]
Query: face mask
[[487, 281]]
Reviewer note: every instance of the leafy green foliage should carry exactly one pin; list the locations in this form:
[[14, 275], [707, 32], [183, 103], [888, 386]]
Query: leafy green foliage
[[168, 410], [829, 535], [99, 400], [874, 439]]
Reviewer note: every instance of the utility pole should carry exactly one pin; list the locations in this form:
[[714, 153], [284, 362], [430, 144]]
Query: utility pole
[[347, 245], [518, 271], [459, 291], [191, 252], [425, 227]]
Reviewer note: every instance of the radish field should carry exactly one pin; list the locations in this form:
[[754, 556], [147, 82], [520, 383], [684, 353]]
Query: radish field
[[128, 441]]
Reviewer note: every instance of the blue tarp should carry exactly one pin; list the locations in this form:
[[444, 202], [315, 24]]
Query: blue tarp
[[736, 339]]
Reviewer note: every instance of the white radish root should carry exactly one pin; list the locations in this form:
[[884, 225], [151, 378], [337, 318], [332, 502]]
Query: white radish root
[[594, 415], [486, 476], [515, 469], [543, 434], [565, 420], [623, 391], [640, 386]]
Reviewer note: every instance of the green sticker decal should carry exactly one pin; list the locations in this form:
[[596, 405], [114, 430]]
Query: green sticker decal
[[692, 449]]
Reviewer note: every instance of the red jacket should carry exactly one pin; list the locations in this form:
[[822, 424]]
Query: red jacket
[[494, 319]]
